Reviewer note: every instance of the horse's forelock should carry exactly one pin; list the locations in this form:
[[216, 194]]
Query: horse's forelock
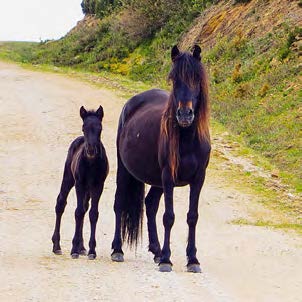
[[186, 69]]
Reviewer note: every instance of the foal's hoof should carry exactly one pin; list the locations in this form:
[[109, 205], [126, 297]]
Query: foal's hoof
[[75, 255], [193, 268], [58, 252], [91, 256], [117, 257], [156, 259], [165, 267]]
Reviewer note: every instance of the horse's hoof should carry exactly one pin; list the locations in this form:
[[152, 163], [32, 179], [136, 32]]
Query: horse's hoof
[[83, 252], [193, 268], [156, 259], [117, 257], [58, 252], [91, 256], [165, 267], [75, 255]]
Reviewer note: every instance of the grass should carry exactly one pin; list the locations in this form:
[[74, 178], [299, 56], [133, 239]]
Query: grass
[[257, 95], [297, 227], [17, 51], [283, 206]]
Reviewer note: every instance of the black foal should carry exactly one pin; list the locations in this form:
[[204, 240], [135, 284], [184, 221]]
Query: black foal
[[86, 168]]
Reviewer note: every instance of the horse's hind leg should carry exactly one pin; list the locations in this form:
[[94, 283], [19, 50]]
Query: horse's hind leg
[[152, 202], [67, 184], [128, 208], [93, 217], [121, 189]]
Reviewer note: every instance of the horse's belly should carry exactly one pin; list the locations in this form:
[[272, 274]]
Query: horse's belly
[[138, 148]]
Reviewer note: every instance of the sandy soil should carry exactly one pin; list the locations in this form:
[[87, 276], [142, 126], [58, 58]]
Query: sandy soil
[[38, 119]]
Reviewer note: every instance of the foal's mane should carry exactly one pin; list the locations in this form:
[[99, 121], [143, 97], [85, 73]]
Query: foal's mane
[[192, 72]]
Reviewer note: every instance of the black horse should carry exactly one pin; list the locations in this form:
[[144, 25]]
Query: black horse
[[86, 168], [163, 140]]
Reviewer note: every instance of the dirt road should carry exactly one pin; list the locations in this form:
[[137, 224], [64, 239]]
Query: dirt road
[[38, 119]]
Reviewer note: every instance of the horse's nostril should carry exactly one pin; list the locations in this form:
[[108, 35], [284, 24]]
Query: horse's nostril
[[190, 112], [178, 112]]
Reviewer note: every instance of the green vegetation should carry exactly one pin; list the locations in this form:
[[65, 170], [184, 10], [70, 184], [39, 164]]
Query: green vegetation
[[22, 52], [100, 8], [284, 226], [255, 79], [257, 94]]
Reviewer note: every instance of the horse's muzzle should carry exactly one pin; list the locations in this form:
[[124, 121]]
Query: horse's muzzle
[[185, 117]]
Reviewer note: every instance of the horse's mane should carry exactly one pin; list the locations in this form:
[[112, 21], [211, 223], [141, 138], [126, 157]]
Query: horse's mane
[[192, 72]]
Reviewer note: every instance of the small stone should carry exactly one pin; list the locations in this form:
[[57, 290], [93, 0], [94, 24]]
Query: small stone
[[290, 195], [275, 174]]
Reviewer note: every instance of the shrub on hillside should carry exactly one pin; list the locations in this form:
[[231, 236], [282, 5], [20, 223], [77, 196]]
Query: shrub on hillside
[[100, 8]]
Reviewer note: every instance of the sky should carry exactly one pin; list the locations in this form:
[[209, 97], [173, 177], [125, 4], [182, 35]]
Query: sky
[[36, 20]]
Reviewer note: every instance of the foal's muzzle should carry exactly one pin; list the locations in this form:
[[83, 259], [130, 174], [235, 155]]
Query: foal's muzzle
[[91, 150]]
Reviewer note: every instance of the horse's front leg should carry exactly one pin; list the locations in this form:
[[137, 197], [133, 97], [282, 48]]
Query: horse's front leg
[[192, 218], [165, 265], [152, 203], [93, 217]]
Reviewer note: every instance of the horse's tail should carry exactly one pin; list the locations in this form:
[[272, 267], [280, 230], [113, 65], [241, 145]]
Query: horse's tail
[[129, 201], [129, 196]]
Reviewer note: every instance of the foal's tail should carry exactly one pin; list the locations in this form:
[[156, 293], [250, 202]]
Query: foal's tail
[[130, 200]]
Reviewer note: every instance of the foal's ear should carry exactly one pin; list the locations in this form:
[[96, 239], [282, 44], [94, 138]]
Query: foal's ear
[[100, 113], [197, 52], [174, 52], [83, 112]]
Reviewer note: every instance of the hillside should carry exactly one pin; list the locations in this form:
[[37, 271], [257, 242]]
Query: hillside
[[252, 50]]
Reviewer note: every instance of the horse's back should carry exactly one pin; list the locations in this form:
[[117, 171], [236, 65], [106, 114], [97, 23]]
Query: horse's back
[[150, 100], [138, 134]]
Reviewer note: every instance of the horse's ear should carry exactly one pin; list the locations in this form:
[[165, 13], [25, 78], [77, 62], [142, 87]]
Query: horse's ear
[[100, 112], [174, 52], [83, 112], [197, 52]]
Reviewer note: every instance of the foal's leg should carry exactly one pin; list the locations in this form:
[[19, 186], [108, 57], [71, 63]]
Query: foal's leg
[[165, 264], [152, 202], [81, 244], [93, 217], [79, 219], [67, 184], [192, 217]]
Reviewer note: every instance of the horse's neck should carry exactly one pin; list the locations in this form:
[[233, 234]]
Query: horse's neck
[[187, 135]]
